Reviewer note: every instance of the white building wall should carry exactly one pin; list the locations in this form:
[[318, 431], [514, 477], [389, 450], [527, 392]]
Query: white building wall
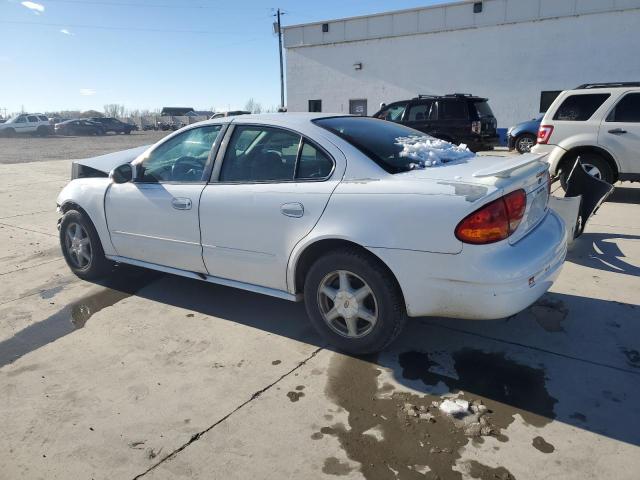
[[501, 54]]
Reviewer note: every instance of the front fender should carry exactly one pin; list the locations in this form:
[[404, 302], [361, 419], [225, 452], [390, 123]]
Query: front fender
[[89, 195]]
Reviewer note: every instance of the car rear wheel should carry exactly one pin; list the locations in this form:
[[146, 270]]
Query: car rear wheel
[[525, 142], [81, 247], [594, 164], [354, 302]]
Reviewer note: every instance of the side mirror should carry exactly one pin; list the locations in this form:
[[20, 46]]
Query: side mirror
[[122, 174]]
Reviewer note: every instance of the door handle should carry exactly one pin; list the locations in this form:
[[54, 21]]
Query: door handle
[[181, 203], [294, 209], [618, 131]]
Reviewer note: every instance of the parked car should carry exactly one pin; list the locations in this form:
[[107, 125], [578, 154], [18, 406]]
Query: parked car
[[600, 124], [335, 210], [522, 137], [79, 127], [33, 123], [457, 118], [110, 124]]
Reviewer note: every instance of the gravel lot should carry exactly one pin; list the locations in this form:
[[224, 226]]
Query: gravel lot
[[35, 149], [155, 376]]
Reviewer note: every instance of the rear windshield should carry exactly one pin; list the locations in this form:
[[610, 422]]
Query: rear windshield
[[394, 147], [483, 109], [580, 108]]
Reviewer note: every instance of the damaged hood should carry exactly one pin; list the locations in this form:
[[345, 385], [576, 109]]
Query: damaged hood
[[101, 166]]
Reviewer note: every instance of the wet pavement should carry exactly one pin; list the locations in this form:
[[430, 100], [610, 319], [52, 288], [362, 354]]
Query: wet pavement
[[150, 375]]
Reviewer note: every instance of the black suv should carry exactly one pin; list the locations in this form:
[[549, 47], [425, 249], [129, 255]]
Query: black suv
[[114, 125], [457, 118]]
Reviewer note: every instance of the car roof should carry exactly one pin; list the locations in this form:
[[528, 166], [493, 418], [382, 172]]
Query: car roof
[[286, 119]]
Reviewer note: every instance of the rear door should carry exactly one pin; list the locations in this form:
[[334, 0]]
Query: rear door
[[155, 218], [421, 115], [620, 133], [268, 193], [32, 123], [453, 122]]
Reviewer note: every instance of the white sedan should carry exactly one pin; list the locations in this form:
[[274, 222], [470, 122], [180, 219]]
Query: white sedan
[[369, 222]]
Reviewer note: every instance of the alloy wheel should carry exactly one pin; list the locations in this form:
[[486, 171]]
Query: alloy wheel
[[78, 245], [525, 144], [347, 304]]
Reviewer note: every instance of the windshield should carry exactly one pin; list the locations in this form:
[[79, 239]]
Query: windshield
[[394, 147], [483, 109]]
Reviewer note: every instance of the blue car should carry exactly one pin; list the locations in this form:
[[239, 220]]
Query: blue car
[[523, 136]]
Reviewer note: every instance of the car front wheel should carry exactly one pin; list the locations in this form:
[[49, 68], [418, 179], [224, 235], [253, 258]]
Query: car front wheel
[[354, 302], [81, 247]]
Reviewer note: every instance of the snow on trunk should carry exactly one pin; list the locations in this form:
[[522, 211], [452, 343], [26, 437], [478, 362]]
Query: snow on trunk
[[428, 151]]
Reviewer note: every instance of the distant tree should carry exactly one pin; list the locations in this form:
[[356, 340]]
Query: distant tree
[[91, 113], [253, 106], [114, 110]]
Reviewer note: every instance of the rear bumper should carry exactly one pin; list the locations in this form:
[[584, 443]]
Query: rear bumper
[[483, 282], [483, 142]]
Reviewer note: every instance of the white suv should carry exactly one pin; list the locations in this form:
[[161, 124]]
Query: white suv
[[33, 123], [600, 123]]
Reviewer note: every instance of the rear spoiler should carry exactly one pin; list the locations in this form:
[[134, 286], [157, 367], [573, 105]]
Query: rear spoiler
[[509, 166]]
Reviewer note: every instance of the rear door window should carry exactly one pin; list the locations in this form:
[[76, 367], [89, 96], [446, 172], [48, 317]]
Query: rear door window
[[627, 110], [580, 108], [452, 110], [33, 119], [313, 163]]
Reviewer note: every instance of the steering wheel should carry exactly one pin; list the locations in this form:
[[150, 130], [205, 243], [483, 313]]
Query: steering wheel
[[187, 168]]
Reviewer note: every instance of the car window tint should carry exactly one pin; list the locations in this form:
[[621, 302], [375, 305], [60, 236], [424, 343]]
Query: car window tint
[[43, 118], [32, 118], [421, 112], [627, 110], [258, 154], [313, 163], [580, 108], [21, 120], [182, 158], [393, 113], [453, 110], [483, 109]]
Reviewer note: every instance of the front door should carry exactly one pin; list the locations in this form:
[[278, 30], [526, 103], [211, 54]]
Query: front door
[[155, 218], [620, 133], [272, 188]]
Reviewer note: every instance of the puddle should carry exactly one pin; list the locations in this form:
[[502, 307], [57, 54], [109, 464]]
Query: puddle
[[124, 283], [504, 385], [541, 444], [428, 446]]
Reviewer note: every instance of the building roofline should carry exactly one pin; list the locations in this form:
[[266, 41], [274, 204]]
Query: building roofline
[[380, 14]]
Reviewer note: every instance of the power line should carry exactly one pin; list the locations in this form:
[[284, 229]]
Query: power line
[[113, 27], [129, 4]]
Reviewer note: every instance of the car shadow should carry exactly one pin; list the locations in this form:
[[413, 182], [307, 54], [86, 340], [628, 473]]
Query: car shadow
[[601, 251], [513, 364], [625, 195]]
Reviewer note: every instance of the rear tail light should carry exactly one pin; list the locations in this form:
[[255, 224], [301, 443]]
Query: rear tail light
[[476, 127], [495, 221], [544, 134]]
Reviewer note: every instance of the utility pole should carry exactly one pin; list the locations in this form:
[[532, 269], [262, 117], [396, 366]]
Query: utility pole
[[279, 28]]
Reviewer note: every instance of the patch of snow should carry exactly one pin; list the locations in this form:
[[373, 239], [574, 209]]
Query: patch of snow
[[375, 432], [428, 151], [457, 407]]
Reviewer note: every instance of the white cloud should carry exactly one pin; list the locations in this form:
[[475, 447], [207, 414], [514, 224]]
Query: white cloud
[[66, 32], [36, 8], [87, 92]]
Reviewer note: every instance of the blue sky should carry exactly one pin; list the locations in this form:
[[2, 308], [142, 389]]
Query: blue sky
[[146, 54]]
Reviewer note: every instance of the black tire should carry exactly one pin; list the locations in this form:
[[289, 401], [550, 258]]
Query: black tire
[[525, 142], [389, 303], [606, 172], [98, 265]]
